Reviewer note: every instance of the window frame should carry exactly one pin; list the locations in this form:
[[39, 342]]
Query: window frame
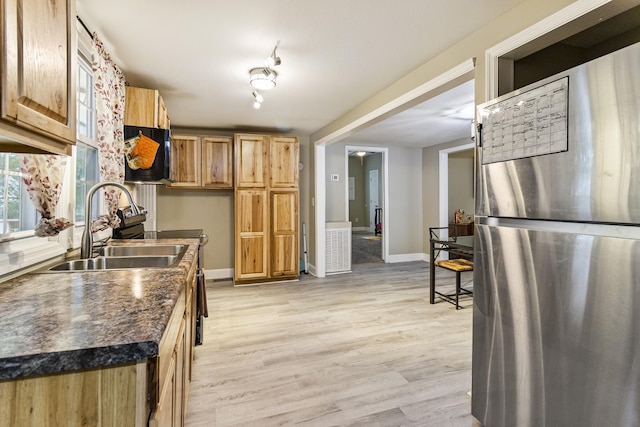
[[84, 55]]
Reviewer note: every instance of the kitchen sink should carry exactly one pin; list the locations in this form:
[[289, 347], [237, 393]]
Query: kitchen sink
[[116, 263], [143, 250]]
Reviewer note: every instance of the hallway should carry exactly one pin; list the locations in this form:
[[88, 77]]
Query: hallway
[[366, 247]]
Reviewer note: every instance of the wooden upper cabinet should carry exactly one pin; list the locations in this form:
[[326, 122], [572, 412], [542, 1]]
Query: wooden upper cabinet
[[251, 160], [38, 76], [217, 161], [201, 161], [185, 161], [145, 108], [283, 161]]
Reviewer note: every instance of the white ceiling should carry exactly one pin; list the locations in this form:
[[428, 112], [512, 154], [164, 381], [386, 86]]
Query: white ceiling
[[335, 55]]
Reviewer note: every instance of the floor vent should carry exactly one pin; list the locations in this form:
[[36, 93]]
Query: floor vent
[[338, 244]]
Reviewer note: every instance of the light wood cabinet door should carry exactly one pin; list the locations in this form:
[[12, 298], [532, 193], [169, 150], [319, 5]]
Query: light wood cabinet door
[[145, 108], [217, 161], [251, 160], [283, 162], [284, 233], [251, 234], [185, 161], [39, 75], [162, 116], [179, 401]]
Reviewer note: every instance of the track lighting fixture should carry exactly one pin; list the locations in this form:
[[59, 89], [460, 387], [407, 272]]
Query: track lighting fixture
[[273, 60], [262, 78]]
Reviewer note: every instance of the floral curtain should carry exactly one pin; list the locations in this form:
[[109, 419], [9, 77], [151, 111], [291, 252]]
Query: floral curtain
[[109, 89], [42, 176]]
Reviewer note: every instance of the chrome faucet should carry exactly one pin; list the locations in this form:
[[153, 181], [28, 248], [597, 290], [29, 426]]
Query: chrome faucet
[[86, 247]]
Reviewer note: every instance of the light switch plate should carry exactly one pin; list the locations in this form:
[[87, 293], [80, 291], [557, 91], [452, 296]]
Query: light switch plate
[[335, 177]]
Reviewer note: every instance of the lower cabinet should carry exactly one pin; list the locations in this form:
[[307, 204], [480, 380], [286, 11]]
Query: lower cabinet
[[175, 373], [147, 392], [111, 396], [251, 234], [284, 233], [266, 235]]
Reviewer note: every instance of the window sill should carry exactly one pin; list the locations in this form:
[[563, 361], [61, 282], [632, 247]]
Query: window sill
[[23, 254]]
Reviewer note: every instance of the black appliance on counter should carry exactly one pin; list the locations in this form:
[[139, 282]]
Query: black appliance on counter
[[159, 172], [132, 228]]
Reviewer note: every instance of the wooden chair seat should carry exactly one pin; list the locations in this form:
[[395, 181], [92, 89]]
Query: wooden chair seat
[[458, 266]]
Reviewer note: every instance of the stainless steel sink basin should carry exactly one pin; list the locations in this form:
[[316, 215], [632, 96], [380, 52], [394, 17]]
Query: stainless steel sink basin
[[116, 263], [146, 250]]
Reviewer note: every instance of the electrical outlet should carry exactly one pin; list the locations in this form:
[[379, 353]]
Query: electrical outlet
[[356, 220]]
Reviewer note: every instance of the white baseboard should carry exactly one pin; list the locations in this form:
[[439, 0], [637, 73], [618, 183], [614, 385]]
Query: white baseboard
[[312, 270], [221, 273], [332, 273], [360, 229], [406, 258]]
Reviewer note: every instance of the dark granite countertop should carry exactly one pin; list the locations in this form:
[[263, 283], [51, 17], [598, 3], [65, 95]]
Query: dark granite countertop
[[56, 322]]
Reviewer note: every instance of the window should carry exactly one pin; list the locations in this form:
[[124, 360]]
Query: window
[[86, 153], [87, 176], [85, 106], [17, 213]]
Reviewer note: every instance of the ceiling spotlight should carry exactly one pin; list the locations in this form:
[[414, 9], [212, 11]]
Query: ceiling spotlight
[[257, 103], [273, 60], [361, 153], [262, 78], [257, 96]]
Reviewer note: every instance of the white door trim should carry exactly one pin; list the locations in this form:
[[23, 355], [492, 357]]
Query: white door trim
[[385, 191], [443, 190]]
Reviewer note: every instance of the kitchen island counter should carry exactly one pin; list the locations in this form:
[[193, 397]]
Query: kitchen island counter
[[68, 321]]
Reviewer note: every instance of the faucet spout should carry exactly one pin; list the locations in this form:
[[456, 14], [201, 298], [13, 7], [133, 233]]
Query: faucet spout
[[87, 236]]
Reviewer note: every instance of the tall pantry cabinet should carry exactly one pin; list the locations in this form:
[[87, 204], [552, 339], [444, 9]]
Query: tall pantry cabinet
[[266, 208]]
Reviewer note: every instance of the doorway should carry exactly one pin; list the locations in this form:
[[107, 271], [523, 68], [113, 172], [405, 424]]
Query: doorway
[[444, 189], [365, 206]]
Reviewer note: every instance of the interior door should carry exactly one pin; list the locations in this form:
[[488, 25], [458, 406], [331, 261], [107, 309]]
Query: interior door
[[373, 198]]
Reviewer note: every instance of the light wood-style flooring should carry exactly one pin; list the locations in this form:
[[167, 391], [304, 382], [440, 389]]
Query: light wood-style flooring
[[358, 349]]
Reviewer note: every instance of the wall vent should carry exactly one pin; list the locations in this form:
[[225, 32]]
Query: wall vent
[[338, 247]]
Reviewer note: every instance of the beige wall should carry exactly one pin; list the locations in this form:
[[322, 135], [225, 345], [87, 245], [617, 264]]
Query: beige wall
[[405, 204], [211, 210], [405, 186], [461, 183], [431, 185]]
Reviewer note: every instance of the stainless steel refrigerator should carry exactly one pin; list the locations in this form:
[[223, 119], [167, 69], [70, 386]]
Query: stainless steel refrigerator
[[556, 317]]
